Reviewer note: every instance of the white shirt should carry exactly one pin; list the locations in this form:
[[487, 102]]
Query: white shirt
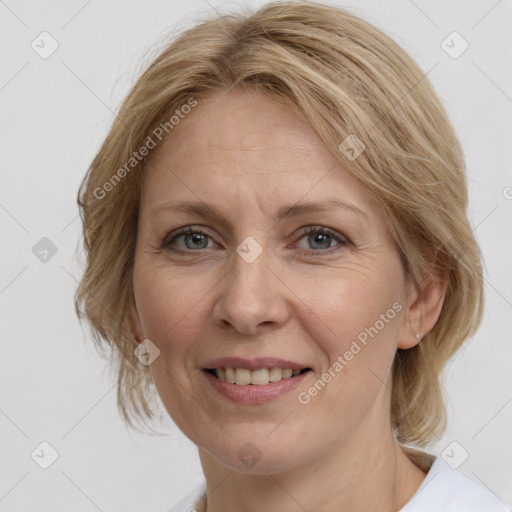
[[443, 490]]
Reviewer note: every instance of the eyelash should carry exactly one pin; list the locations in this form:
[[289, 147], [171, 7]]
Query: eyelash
[[342, 241]]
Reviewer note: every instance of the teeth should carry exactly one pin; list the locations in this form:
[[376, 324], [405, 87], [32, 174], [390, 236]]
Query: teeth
[[287, 373], [275, 374], [230, 375], [242, 377], [260, 377]]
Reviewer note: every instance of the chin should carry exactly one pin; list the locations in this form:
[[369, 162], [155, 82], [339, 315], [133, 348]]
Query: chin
[[257, 457]]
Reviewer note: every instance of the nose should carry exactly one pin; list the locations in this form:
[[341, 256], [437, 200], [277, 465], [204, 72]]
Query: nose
[[252, 298]]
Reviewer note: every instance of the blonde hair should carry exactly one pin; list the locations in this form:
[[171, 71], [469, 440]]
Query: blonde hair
[[346, 78]]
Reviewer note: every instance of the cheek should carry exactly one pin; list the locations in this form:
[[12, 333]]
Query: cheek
[[169, 319], [168, 306], [355, 325], [356, 309]]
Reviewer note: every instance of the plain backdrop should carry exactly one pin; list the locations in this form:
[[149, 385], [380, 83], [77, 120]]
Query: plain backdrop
[[56, 111]]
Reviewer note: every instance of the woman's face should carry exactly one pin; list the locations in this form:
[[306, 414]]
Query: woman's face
[[256, 284]]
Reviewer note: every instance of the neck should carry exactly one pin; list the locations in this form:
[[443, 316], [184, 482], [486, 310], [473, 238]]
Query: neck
[[367, 472]]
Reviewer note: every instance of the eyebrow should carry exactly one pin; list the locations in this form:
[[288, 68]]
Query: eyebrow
[[285, 212]]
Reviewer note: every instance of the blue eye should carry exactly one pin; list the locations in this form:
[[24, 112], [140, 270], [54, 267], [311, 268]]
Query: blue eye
[[319, 240], [191, 237], [321, 237]]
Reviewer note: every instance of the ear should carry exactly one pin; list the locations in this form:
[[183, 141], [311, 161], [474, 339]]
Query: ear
[[423, 307], [134, 322]]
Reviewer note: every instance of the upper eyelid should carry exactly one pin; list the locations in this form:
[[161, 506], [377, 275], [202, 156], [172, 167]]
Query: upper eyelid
[[170, 237]]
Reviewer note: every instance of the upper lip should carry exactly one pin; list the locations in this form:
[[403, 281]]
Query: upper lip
[[253, 364]]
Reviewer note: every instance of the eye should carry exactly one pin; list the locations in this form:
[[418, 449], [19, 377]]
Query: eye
[[319, 238], [193, 238]]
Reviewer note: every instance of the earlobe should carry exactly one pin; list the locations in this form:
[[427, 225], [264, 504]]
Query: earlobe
[[423, 311]]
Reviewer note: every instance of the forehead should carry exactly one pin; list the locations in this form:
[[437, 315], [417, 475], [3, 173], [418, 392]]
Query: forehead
[[239, 143]]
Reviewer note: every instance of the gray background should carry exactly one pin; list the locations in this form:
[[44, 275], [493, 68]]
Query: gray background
[[55, 113]]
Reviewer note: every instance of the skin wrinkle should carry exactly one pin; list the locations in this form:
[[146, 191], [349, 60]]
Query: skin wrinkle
[[335, 452]]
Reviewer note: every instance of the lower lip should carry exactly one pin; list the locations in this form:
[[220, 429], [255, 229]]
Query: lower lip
[[253, 394]]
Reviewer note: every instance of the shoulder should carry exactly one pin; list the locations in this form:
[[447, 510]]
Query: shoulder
[[447, 490], [188, 503]]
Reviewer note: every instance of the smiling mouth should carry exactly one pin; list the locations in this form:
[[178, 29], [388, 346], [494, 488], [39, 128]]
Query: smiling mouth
[[260, 377]]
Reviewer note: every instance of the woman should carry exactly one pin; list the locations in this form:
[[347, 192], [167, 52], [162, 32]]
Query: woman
[[277, 239]]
